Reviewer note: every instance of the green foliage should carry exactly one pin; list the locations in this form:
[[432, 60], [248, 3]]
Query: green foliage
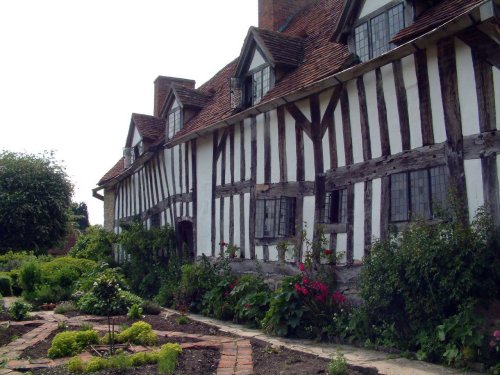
[[419, 278], [76, 365], [65, 307], [35, 196], [144, 358], [19, 310], [80, 215], [167, 359], [252, 297], [151, 307], [218, 302], [338, 365], [134, 312], [97, 364], [14, 260], [5, 285], [120, 362], [286, 309], [140, 333], [95, 244], [69, 343], [182, 319], [30, 276], [89, 303]]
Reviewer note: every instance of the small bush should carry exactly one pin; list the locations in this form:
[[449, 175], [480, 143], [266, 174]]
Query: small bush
[[19, 310], [30, 276], [134, 312], [76, 364], [69, 343], [49, 294], [65, 307], [96, 244], [167, 358], [252, 296], [338, 365], [151, 307], [182, 320], [5, 285], [140, 333], [91, 304], [96, 364], [120, 362], [144, 358], [13, 260]]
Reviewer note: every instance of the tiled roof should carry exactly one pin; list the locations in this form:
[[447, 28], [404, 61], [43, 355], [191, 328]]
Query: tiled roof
[[321, 58], [283, 49], [435, 16], [149, 127], [118, 168], [191, 97]]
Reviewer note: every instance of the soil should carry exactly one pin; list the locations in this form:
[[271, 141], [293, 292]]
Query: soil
[[40, 349], [9, 334]]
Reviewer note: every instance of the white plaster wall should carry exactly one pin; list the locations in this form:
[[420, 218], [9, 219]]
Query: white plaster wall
[[411, 86], [376, 206], [260, 149], [466, 89], [496, 84], [359, 221], [228, 161], [371, 103], [291, 152], [237, 215], [168, 164], [248, 146], [218, 239], [136, 193], [339, 137], [177, 170], [218, 172], [136, 138], [392, 109], [237, 152], [342, 247], [371, 6], [188, 188], [308, 216], [259, 252], [163, 177], [308, 158], [324, 99], [436, 100], [304, 107], [326, 151], [474, 183], [204, 191], [246, 200], [357, 139], [275, 161], [273, 253], [226, 219]]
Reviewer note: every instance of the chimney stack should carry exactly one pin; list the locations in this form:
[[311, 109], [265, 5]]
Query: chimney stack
[[274, 14], [162, 86]]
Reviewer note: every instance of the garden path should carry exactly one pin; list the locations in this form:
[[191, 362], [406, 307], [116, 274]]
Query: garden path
[[389, 364], [235, 359]]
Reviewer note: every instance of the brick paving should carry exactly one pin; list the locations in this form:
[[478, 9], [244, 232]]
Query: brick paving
[[236, 353]]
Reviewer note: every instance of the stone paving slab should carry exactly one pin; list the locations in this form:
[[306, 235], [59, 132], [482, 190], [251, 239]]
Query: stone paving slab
[[386, 364]]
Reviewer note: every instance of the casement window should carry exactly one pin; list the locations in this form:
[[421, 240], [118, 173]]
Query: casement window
[[257, 84], [335, 208], [156, 221], [138, 150], [418, 194], [275, 217], [174, 121], [372, 35]]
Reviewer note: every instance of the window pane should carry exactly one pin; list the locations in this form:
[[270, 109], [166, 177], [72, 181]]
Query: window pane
[[379, 35], [259, 218], [396, 20], [343, 206], [257, 87], [399, 197], [361, 42], [326, 211], [265, 80], [177, 121], [439, 186], [269, 218], [287, 216], [171, 124], [420, 205]]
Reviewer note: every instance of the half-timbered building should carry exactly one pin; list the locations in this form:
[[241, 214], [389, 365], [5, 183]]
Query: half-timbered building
[[357, 115]]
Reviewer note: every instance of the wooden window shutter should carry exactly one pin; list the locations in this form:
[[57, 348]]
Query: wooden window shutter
[[236, 95]]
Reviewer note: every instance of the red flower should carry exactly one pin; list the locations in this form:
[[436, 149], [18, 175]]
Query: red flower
[[328, 252], [305, 280], [222, 243], [298, 288], [320, 298], [338, 297], [302, 268]]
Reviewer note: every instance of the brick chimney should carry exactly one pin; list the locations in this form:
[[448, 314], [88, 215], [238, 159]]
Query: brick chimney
[[274, 14], [162, 86]]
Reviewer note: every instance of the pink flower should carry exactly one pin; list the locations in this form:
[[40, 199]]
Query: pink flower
[[496, 334], [305, 280], [338, 297], [320, 298], [302, 268], [328, 252], [298, 288]]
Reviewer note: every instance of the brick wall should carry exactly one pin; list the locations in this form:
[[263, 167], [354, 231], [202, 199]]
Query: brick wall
[[275, 13], [162, 86], [109, 209]]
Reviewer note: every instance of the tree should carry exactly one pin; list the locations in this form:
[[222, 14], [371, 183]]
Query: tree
[[80, 216], [35, 197]]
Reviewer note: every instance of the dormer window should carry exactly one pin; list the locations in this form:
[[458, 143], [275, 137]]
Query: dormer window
[[373, 32], [258, 80], [138, 150], [174, 119]]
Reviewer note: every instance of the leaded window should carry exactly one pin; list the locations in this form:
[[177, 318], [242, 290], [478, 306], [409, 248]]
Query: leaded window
[[371, 37], [275, 217], [156, 221], [174, 122], [418, 194], [335, 207], [260, 84]]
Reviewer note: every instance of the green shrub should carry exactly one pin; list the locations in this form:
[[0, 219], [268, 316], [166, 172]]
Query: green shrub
[[69, 343], [96, 244], [76, 364], [151, 307], [91, 304], [140, 333], [30, 276], [96, 364], [49, 294], [419, 278], [166, 293], [19, 310], [144, 358], [13, 260], [218, 302], [134, 312], [182, 320], [338, 365], [16, 283], [5, 285], [167, 358], [252, 296], [65, 307], [120, 362]]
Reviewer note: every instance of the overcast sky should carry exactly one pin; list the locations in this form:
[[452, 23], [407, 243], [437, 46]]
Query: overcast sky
[[73, 71]]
